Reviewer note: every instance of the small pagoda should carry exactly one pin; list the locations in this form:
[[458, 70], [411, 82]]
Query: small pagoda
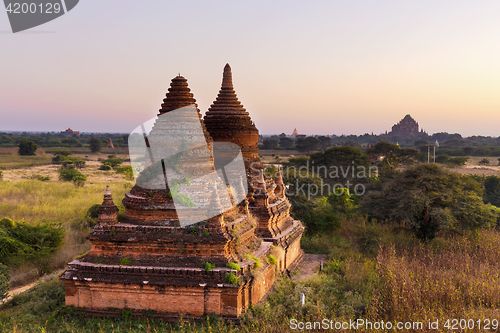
[[147, 260]]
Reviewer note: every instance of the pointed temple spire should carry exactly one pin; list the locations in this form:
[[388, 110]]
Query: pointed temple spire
[[108, 212], [179, 95], [227, 120]]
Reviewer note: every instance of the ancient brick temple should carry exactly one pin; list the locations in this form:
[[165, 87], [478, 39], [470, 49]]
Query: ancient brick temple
[[406, 127], [146, 261]]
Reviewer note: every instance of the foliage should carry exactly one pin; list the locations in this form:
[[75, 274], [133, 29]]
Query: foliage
[[95, 145], [126, 261], [492, 190], [72, 175], [181, 198], [256, 261], [325, 142], [112, 161], [208, 266], [27, 148], [392, 154], [270, 143], [484, 161], [231, 278], [125, 170], [69, 162], [307, 144], [339, 164], [271, 260], [92, 211], [63, 152], [20, 242], [286, 142], [1, 175], [4, 281], [233, 265], [428, 199], [457, 161]]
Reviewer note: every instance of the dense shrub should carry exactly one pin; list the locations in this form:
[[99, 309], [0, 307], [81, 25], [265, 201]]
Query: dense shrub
[[21, 242], [27, 148], [72, 175]]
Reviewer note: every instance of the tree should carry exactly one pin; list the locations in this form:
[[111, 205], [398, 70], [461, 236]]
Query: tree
[[492, 190], [286, 142], [307, 144], [270, 143], [95, 145], [27, 148], [325, 142], [428, 199], [336, 165], [484, 161]]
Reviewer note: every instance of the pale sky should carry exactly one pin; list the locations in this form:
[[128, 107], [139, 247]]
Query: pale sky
[[324, 67]]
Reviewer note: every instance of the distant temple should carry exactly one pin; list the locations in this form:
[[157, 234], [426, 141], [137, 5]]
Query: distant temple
[[147, 261], [406, 127], [295, 133], [70, 132], [110, 143]]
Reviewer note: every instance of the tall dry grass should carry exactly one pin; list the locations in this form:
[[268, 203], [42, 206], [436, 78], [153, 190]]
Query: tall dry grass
[[57, 201], [32, 200], [455, 278]]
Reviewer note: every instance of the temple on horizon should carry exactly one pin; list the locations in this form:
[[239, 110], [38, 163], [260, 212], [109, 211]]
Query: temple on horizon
[[148, 261], [406, 127]]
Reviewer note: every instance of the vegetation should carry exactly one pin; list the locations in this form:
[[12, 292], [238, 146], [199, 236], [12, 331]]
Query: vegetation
[[208, 266], [95, 145], [72, 175], [428, 199], [233, 265], [27, 148], [4, 281]]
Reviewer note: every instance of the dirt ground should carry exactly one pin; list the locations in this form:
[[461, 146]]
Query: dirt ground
[[310, 268]]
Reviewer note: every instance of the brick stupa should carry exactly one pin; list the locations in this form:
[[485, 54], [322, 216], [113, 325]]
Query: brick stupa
[[146, 262]]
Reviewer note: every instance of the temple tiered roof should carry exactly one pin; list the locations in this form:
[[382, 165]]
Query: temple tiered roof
[[179, 95], [228, 121]]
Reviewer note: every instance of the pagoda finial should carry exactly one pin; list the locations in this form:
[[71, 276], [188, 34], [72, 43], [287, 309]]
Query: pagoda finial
[[227, 79]]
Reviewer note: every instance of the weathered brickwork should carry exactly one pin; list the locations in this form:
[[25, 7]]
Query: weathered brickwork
[[147, 261]]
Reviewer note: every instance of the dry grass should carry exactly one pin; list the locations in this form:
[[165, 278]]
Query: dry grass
[[457, 278]]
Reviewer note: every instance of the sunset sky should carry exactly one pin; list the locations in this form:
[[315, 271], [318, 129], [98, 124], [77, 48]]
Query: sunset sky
[[324, 67]]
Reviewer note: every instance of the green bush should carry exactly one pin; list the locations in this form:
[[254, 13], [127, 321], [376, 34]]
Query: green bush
[[125, 170], [27, 148], [1, 175], [208, 266], [256, 260], [271, 260], [21, 242], [231, 278], [92, 211], [72, 175], [233, 265]]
